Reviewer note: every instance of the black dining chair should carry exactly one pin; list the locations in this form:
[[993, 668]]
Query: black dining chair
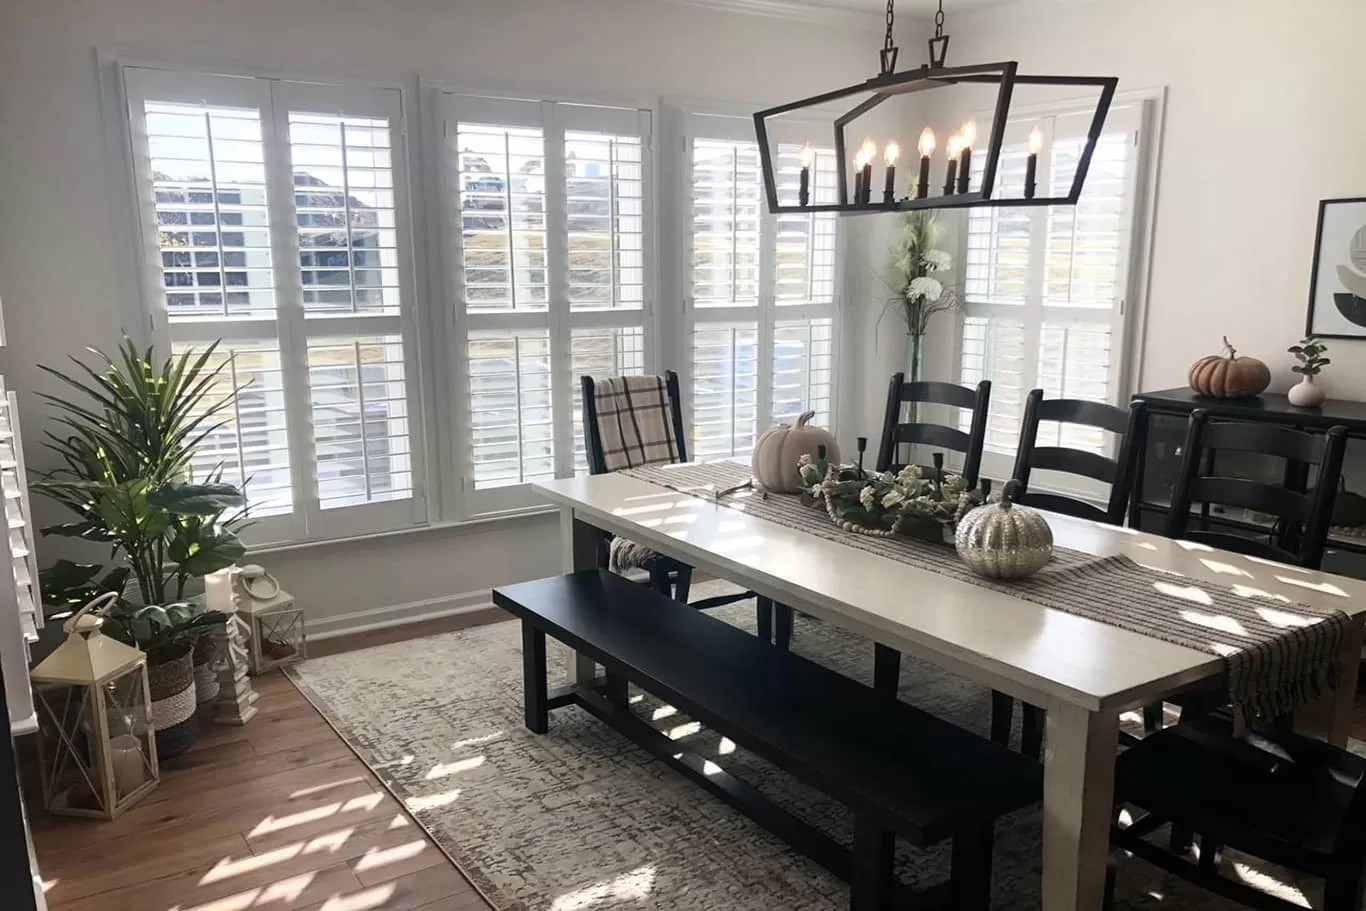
[[1302, 512], [1296, 802], [1128, 427], [667, 575], [901, 426]]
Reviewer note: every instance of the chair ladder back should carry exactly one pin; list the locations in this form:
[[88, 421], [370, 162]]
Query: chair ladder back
[[1301, 531], [1118, 472], [896, 432], [592, 433]]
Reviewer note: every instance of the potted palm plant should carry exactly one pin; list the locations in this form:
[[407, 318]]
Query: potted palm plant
[[125, 441]]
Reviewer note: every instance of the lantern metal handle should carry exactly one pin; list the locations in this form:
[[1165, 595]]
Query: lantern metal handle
[[96, 608]]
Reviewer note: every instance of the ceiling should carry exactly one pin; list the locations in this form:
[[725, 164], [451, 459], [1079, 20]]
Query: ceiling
[[832, 10]]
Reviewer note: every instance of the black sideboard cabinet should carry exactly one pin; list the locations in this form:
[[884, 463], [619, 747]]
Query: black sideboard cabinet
[[1168, 412]]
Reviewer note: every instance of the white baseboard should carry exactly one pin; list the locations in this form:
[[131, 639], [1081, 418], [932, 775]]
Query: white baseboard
[[363, 621]]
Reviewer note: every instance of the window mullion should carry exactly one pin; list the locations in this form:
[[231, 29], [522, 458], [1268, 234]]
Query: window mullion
[[293, 333], [767, 313], [557, 276]]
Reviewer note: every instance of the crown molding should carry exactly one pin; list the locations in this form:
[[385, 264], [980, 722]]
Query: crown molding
[[793, 11]]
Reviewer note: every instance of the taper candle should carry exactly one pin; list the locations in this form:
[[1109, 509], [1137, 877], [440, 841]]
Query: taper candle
[[955, 149], [1032, 163], [867, 153], [804, 179], [890, 155], [969, 135], [927, 143]]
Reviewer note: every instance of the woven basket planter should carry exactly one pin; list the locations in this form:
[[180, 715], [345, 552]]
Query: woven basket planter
[[206, 669], [171, 685]]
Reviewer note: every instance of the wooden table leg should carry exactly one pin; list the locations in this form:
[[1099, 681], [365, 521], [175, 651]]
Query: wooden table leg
[[1078, 800], [579, 543]]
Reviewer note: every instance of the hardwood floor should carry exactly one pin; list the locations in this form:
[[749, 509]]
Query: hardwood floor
[[275, 816], [278, 815]]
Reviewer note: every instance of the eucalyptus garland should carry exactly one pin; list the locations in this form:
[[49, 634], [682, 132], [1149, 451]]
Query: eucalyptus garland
[[882, 504]]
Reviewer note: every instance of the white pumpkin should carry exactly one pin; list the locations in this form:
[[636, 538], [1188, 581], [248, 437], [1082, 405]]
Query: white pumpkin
[[777, 451]]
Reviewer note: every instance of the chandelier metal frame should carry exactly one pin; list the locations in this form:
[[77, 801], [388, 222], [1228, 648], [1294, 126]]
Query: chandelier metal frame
[[935, 74]]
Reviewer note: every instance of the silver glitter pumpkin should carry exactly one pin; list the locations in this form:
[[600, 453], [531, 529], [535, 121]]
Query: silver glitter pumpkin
[[1004, 541]]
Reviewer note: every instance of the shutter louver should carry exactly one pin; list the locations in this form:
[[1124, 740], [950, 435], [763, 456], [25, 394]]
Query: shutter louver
[[18, 519], [762, 292], [1044, 286]]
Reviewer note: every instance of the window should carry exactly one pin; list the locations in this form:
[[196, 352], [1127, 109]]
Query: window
[[1045, 287], [274, 218], [760, 300], [549, 208]]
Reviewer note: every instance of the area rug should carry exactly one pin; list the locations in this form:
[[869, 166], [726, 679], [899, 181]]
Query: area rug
[[581, 820]]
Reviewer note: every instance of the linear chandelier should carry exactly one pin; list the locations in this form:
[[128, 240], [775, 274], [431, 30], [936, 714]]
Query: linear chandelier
[[855, 179]]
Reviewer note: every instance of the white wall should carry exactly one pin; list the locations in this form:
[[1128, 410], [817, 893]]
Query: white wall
[[1263, 120], [60, 273]]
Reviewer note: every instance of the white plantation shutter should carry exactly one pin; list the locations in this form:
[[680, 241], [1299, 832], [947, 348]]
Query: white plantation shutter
[[19, 623], [761, 289], [1045, 287], [548, 211], [275, 219]]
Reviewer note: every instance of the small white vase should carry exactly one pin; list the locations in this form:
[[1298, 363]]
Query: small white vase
[[1305, 394]]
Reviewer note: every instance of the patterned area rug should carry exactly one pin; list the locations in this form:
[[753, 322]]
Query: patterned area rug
[[580, 819]]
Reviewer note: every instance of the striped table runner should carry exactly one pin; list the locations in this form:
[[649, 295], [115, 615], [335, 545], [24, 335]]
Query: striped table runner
[[1279, 654]]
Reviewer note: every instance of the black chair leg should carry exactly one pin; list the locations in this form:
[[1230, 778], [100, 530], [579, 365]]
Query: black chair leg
[[782, 626], [682, 584], [1031, 730], [970, 870], [534, 689], [1181, 840], [886, 670], [617, 690], [763, 618], [1345, 889], [1002, 716], [1211, 855], [873, 883], [659, 578], [1152, 718]]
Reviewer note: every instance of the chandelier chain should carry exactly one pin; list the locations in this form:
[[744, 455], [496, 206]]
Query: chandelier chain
[[939, 21], [891, 18]]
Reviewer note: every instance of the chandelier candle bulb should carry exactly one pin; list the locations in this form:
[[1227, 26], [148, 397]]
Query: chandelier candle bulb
[[955, 149], [969, 136], [867, 154], [922, 189], [804, 179], [1032, 163], [890, 155]]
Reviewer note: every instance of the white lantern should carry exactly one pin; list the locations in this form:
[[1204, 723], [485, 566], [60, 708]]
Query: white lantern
[[276, 624], [97, 747]]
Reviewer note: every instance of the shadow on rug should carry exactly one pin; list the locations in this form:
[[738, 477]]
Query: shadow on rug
[[581, 819]]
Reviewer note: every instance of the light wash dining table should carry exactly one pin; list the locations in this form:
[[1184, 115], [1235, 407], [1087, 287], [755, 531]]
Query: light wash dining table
[[1084, 673]]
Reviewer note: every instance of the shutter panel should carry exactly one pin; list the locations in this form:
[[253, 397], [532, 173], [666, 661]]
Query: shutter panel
[[18, 518], [1044, 286], [601, 353], [276, 219], [762, 290], [512, 435]]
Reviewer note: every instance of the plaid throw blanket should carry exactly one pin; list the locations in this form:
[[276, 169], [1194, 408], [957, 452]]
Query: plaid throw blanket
[[636, 427]]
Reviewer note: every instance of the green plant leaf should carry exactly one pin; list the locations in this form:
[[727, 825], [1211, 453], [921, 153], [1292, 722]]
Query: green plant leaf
[[196, 499]]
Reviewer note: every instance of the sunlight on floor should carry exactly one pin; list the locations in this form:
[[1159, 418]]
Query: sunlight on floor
[[633, 886], [272, 824], [320, 788], [685, 730], [442, 769], [726, 748], [376, 858], [432, 801], [284, 893], [365, 900]]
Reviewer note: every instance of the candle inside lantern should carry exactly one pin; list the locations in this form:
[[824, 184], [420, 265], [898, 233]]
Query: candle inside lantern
[[927, 143], [890, 155], [955, 149], [969, 136], [868, 152], [804, 179], [1032, 163]]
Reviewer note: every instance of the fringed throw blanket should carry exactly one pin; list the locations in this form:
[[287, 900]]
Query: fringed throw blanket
[[1279, 654], [636, 427]]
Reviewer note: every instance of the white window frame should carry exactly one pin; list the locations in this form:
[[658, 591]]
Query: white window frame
[[1127, 320], [554, 116], [275, 97], [691, 121]]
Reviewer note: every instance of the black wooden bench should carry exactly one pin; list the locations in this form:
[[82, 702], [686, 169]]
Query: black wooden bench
[[901, 771]]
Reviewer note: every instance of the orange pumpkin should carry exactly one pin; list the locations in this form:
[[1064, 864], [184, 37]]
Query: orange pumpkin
[[1229, 376]]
